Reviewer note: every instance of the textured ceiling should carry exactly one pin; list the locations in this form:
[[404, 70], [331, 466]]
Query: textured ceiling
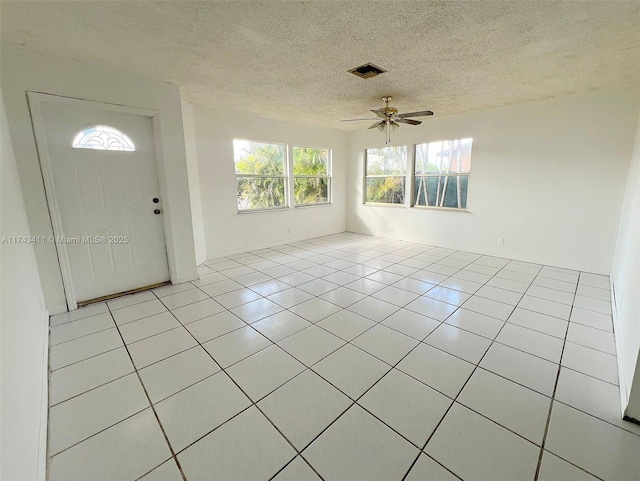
[[289, 60]]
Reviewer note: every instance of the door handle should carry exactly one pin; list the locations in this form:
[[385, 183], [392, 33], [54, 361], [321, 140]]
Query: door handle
[[156, 212]]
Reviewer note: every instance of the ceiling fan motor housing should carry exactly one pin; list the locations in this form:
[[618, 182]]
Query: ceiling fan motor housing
[[388, 118]]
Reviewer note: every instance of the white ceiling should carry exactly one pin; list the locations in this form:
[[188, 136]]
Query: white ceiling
[[289, 60]]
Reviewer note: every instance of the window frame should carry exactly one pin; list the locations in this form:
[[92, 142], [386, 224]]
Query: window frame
[[285, 176], [415, 177], [407, 180], [328, 176]]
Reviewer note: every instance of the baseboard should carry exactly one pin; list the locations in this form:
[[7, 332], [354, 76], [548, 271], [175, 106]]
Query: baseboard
[[631, 420], [190, 277], [267, 245], [201, 258], [44, 406], [624, 395], [59, 309], [502, 255]]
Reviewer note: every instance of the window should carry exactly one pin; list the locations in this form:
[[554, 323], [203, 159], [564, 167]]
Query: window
[[102, 137], [260, 174], [442, 173], [386, 171], [311, 179]]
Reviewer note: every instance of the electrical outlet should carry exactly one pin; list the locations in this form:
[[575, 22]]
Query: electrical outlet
[[288, 230], [500, 241]]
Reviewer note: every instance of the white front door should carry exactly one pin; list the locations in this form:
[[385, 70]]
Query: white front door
[[102, 167]]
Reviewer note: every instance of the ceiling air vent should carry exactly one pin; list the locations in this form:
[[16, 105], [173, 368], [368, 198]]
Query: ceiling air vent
[[367, 70]]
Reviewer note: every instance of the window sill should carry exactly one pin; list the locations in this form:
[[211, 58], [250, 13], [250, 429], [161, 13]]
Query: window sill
[[258, 211], [445, 209], [308, 206], [284, 209], [383, 204]]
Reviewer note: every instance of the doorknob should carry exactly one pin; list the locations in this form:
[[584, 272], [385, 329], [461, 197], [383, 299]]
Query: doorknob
[[156, 200], [156, 212]]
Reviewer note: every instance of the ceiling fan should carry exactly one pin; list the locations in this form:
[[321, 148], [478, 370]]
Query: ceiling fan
[[388, 118]]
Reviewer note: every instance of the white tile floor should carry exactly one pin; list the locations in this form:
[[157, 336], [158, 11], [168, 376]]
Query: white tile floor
[[344, 358]]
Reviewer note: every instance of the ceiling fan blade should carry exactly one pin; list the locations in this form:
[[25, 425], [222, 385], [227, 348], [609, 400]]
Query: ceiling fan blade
[[374, 126], [408, 121], [380, 113], [423, 113], [357, 120]]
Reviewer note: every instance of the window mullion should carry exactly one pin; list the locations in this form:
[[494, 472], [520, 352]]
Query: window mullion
[[408, 194], [290, 179]]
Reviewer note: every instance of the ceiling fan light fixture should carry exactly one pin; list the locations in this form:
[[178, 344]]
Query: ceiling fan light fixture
[[389, 119]]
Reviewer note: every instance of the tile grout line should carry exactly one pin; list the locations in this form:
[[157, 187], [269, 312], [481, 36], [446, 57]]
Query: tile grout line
[[422, 450], [309, 368], [407, 276], [168, 310], [476, 367], [69, 321], [153, 409], [349, 342], [637, 434], [85, 359], [553, 400], [394, 367], [252, 402], [343, 308], [47, 468], [355, 401], [125, 345], [380, 323], [319, 320], [91, 389], [98, 432], [75, 320], [83, 336], [553, 396]]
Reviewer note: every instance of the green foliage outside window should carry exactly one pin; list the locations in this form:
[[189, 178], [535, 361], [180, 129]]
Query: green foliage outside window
[[385, 176], [255, 158], [260, 193], [311, 183], [387, 190], [261, 175]]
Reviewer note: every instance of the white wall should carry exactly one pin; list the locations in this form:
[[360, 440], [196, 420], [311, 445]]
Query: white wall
[[23, 71], [625, 278], [227, 231], [194, 182], [23, 335], [547, 176]]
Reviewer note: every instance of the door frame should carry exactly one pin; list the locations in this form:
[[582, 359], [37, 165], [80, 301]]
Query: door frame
[[35, 101]]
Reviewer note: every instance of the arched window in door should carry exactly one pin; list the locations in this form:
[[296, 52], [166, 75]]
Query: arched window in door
[[102, 137]]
